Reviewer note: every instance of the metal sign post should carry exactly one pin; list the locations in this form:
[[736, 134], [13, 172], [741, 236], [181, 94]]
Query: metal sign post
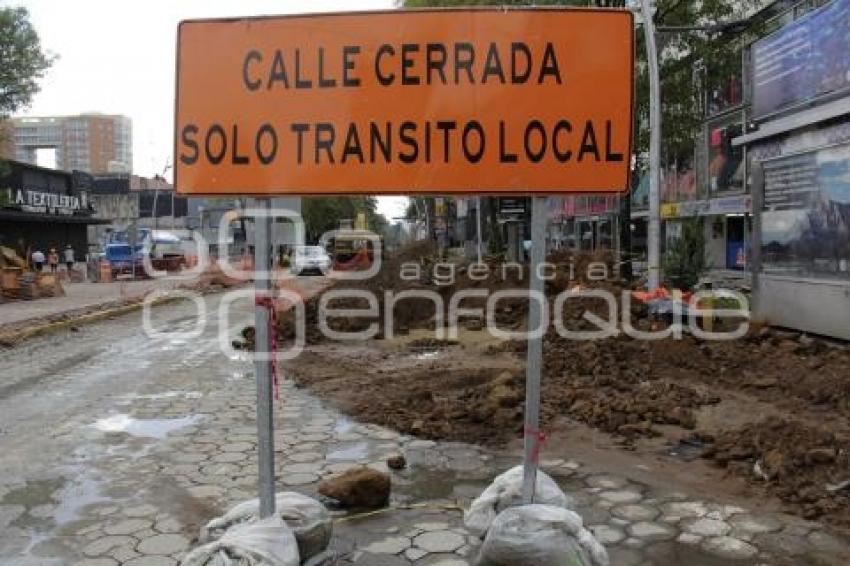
[[533, 436], [263, 364], [478, 222]]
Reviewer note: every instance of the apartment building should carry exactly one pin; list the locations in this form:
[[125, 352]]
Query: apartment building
[[96, 143]]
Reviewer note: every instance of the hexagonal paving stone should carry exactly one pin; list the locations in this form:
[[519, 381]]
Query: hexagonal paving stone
[[688, 538], [439, 541], [151, 561], [126, 526], [432, 526], [414, 554], [606, 482], [633, 513], [299, 479], [389, 545], [229, 457], [97, 562], [144, 510], [706, 527], [729, 548], [302, 468], [651, 531], [163, 544], [752, 524], [620, 496], [103, 545], [607, 535], [305, 456], [683, 509]]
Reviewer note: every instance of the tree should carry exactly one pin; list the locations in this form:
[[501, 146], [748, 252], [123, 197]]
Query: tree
[[683, 55], [322, 214], [685, 261], [22, 61], [688, 60]]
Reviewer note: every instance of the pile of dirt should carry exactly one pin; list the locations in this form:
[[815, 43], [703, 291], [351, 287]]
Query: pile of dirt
[[397, 276], [805, 465], [429, 399], [626, 387], [629, 388]]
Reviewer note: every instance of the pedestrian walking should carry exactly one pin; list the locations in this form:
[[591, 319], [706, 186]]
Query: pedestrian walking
[[68, 256], [37, 260], [53, 260]]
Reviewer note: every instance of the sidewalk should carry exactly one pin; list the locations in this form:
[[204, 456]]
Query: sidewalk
[[79, 296]]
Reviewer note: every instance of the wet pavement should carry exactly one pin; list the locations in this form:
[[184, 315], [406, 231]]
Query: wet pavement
[[117, 447]]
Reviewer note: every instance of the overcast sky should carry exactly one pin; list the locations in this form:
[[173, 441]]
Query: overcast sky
[[117, 57]]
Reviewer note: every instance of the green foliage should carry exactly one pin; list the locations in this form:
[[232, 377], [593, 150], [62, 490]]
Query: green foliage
[[683, 55], [22, 62], [685, 262], [322, 214], [687, 60]]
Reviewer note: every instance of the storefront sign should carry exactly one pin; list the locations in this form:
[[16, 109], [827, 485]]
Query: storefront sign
[[406, 101], [670, 210], [713, 207], [730, 205], [805, 59], [47, 203]]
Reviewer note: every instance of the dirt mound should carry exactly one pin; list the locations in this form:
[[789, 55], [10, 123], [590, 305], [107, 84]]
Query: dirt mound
[[804, 465], [431, 401], [617, 386]]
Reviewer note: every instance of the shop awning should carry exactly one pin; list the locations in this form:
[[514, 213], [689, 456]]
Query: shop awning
[[797, 120]]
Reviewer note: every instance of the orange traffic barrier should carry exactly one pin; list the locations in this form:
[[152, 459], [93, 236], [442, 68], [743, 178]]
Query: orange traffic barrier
[[105, 272]]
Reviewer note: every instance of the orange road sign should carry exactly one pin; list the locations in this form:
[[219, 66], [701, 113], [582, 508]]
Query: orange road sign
[[406, 101]]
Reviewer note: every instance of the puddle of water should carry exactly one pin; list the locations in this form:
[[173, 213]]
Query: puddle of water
[[240, 375], [74, 496], [34, 493], [145, 428], [67, 499], [343, 425], [349, 452], [432, 355], [675, 553], [686, 450], [166, 395]]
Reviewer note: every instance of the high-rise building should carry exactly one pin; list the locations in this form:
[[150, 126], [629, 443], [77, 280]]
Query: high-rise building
[[97, 143]]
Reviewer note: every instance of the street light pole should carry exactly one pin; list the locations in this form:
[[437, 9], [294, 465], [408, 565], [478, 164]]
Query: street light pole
[[654, 233]]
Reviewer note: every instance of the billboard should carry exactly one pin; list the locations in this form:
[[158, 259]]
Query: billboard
[[807, 58], [406, 101]]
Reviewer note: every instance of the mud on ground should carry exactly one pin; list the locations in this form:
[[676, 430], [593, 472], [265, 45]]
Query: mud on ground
[[771, 408]]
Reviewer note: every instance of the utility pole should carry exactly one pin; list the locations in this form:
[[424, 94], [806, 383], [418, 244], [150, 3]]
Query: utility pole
[[654, 232]]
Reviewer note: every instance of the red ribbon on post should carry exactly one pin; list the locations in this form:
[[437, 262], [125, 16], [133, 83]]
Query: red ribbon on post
[[539, 438], [268, 302]]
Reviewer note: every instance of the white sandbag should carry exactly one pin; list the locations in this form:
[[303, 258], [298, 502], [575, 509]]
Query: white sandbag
[[543, 535], [309, 520], [506, 491], [266, 542]]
